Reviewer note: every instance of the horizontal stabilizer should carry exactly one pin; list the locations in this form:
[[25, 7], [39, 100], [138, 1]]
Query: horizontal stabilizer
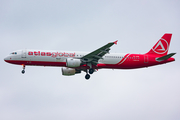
[[165, 57]]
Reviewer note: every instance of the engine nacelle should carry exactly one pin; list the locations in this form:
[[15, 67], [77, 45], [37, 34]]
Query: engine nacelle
[[70, 62], [69, 71]]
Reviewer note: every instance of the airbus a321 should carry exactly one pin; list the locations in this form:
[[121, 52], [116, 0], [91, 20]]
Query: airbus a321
[[74, 62]]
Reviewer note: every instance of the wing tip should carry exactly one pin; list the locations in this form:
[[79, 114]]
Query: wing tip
[[115, 42]]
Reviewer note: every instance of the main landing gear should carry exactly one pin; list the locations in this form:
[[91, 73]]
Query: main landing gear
[[87, 76], [23, 71], [91, 71]]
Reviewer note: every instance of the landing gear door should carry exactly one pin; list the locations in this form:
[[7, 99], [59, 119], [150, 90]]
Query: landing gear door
[[23, 55]]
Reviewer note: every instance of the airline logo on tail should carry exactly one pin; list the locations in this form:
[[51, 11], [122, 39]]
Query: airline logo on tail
[[161, 47]]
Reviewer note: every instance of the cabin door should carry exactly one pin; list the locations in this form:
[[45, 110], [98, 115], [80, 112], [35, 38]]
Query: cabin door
[[145, 58], [23, 55]]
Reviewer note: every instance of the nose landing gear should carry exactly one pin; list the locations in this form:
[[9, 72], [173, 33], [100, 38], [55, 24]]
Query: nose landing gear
[[23, 71]]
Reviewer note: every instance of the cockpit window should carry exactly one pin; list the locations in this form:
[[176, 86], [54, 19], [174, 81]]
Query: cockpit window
[[14, 53]]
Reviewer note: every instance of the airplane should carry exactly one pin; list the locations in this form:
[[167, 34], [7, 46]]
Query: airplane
[[75, 62]]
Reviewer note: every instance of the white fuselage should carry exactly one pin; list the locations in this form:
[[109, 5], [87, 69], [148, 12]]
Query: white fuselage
[[59, 56]]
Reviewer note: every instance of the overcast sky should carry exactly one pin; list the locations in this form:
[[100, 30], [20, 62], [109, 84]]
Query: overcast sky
[[42, 93]]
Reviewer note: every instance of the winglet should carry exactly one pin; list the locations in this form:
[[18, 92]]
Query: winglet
[[115, 42]]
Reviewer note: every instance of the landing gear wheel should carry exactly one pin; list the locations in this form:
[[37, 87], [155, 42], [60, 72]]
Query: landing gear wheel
[[87, 76], [91, 71], [23, 71]]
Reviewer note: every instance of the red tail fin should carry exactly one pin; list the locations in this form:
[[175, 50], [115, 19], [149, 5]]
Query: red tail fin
[[162, 46]]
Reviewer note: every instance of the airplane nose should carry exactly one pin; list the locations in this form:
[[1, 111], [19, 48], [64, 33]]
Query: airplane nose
[[5, 59]]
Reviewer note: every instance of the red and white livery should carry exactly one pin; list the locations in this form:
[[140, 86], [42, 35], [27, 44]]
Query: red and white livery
[[75, 62]]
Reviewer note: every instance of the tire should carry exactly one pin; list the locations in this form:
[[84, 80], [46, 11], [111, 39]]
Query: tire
[[87, 76], [91, 71], [23, 71]]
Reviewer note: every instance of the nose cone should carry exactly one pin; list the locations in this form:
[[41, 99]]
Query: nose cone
[[6, 59]]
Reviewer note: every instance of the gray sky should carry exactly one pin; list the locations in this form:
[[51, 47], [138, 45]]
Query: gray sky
[[43, 93]]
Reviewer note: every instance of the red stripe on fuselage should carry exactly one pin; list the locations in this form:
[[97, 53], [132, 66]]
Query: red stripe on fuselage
[[126, 63], [40, 63], [124, 58]]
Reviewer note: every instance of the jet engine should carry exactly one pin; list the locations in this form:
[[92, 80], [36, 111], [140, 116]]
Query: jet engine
[[70, 62], [69, 71]]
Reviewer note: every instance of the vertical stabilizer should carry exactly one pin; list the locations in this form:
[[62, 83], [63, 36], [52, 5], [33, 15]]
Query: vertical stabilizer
[[162, 46]]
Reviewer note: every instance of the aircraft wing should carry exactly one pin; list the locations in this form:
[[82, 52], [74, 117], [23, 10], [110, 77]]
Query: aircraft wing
[[94, 56]]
